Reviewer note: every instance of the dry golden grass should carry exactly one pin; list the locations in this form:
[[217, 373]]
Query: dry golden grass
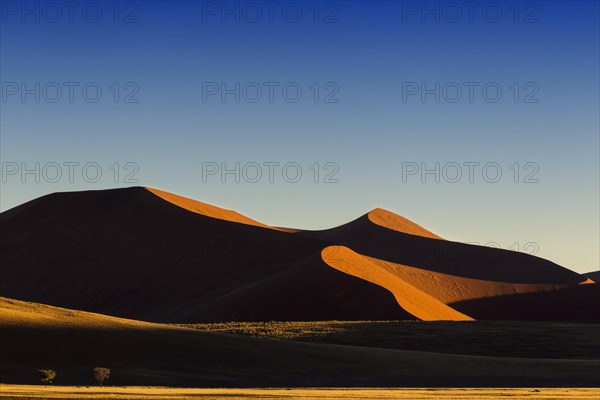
[[31, 392], [482, 338]]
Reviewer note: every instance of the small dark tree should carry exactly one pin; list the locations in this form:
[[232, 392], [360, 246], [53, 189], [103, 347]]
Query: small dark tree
[[101, 374], [48, 376]]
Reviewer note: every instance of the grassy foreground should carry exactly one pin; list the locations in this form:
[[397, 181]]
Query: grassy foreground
[[481, 338], [33, 392], [331, 354]]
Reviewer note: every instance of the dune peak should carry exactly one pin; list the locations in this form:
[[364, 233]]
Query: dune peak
[[393, 221]]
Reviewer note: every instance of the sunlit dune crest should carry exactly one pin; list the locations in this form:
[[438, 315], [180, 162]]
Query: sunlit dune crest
[[388, 219], [413, 300], [588, 281], [206, 209], [592, 277]]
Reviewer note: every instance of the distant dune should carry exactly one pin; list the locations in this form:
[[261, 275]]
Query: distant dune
[[73, 342], [594, 276], [147, 254]]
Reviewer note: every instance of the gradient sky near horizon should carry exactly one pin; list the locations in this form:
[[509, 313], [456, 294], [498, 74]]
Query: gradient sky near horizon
[[374, 92]]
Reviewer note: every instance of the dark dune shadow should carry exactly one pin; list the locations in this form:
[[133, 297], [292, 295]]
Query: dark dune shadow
[[574, 304]]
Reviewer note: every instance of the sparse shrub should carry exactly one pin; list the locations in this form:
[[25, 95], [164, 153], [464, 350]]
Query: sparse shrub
[[101, 374], [48, 376]]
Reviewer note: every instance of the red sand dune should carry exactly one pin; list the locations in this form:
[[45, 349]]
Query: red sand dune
[[130, 253], [148, 254]]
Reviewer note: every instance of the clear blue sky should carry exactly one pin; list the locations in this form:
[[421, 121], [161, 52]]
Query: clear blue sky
[[387, 89]]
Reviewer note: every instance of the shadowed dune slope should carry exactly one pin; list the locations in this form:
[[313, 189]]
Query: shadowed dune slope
[[73, 342], [283, 297], [469, 261], [578, 303], [130, 253]]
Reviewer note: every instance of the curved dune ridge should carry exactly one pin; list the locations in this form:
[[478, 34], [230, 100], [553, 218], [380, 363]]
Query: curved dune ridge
[[414, 288], [378, 216], [430, 295], [413, 300], [207, 209], [395, 222]]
